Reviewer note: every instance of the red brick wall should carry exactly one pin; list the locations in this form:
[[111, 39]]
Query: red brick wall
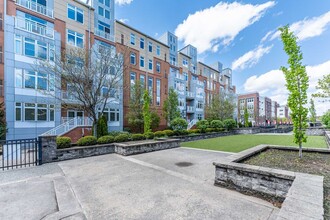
[[78, 132]]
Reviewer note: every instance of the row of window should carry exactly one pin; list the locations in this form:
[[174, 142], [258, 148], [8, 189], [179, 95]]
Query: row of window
[[142, 62], [111, 114], [34, 80], [34, 112], [142, 44], [34, 48], [75, 13], [104, 12]]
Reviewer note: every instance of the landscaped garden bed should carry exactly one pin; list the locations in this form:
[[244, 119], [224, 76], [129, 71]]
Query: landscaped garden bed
[[313, 163]]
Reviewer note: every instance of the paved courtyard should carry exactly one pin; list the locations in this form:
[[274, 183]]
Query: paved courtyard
[[169, 184]]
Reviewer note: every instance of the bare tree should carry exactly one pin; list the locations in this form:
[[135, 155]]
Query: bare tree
[[88, 80]]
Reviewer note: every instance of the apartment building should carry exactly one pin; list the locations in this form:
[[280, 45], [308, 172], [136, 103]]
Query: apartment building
[[39, 30], [147, 62], [283, 112]]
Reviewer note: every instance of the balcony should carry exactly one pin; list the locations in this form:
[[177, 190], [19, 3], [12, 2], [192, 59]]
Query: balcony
[[190, 95], [103, 34], [34, 27], [36, 7], [190, 109], [173, 63]]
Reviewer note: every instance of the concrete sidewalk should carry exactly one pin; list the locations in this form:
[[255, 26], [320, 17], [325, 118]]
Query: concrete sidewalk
[[169, 184]]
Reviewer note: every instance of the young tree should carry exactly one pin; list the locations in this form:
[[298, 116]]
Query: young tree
[[135, 114], [221, 107], [146, 111], [102, 126], [323, 85], [88, 80], [170, 107], [3, 126], [312, 111], [297, 85], [246, 118]]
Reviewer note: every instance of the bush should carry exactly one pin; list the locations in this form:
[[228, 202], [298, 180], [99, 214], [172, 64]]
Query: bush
[[169, 133], [159, 134], [240, 125], [87, 141], [117, 133], [202, 125], [138, 137], [193, 131], [229, 124], [102, 126], [106, 139], [122, 138], [208, 130], [63, 142], [217, 124], [250, 123], [326, 119], [149, 135], [181, 132], [179, 124]]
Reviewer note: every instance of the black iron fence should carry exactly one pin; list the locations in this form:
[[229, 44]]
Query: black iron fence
[[19, 153]]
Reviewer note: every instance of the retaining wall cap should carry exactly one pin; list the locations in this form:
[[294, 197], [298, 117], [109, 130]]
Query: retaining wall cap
[[85, 147]]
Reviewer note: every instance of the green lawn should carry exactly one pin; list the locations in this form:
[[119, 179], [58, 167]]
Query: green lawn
[[237, 143]]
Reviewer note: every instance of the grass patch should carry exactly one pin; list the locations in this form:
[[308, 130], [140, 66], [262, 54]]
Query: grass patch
[[237, 143], [313, 163]]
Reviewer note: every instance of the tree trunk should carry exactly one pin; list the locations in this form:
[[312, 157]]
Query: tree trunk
[[300, 150]]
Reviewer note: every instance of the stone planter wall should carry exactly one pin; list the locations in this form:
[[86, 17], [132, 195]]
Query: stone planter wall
[[327, 138], [81, 152], [315, 131]]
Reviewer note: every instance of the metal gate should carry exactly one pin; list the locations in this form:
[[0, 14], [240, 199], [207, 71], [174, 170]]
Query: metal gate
[[19, 153]]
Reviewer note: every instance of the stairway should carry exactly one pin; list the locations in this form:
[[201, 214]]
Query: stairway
[[192, 123]]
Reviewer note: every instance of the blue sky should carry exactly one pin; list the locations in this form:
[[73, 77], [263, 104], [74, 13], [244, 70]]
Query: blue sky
[[234, 33]]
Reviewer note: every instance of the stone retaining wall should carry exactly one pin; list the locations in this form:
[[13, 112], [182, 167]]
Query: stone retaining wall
[[301, 194], [327, 138], [50, 153], [315, 131]]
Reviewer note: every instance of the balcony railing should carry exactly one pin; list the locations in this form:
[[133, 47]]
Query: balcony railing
[[190, 109], [36, 7], [103, 34], [1, 56], [179, 76], [173, 63], [34, 27], [190, 94]]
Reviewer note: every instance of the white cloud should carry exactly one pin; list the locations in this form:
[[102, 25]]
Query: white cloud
[[124, 20], [209, 28], [272, 84], [251, 58], [123, 2], [305, 29]]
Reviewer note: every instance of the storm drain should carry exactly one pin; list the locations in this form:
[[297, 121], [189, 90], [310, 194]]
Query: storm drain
[[184, 164]]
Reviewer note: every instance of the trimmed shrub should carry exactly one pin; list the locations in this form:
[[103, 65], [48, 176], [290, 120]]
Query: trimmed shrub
[[159, 134], [106, 139], [102, 126], [149, 135], [169, 133], [179, 124], [193, 131], [63, 142], [209, 130], [217, 124], [229, 124], [138, 137], [117, 133], [122, 138], [202, 125], [87, 141]]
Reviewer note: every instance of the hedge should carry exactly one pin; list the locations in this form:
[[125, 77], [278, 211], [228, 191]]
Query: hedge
[[122, 138], [106, 139], [137, 137], [87, 141], [63, 142]]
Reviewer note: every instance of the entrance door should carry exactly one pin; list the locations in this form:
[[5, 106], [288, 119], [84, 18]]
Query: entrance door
[[73, 114]]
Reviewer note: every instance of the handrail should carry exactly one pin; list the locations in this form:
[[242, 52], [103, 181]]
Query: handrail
[[103, 34], [69, 125], [34, 27], [33, 6], [191, 124]]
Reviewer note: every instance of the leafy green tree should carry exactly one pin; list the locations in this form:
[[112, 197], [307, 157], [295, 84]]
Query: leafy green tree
[[229, 124], [221, 107], [155, 120], [102, 126], [135, 113], [312, 111], [170, 107], [326, 119], [3, 125], [179, 124], [146, 112], [246, 118], [297, 85], [324, 85]]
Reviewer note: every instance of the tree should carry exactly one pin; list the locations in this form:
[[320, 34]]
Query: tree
[[297, 85], [85, 79], [3, 125], [102, 126], [326, 119], [135, 113], [155, 120], [146, 111], [170, 107], [221, 107], [323, 85], [246, 118], [312, 111]]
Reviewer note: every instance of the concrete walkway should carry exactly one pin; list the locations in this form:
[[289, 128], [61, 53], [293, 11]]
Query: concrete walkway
[[169, 184]]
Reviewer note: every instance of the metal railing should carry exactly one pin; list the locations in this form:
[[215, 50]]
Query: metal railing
[[191, 124], [19, 153], [33, 6], [190, 109], [190, 94], [34, 27], [174, 63], [69, 125], [103, 34], [179, 76]]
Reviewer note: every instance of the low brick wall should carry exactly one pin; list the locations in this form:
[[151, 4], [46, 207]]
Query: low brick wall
[[50, 153], [298, 191], [131, 148], [315, 131]]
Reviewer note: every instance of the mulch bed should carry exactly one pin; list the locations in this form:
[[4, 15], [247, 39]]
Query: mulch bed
[[312, 163]]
